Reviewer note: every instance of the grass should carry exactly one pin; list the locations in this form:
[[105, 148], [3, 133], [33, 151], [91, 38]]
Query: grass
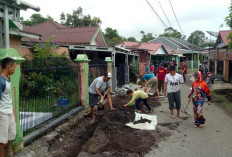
[[221, 101]]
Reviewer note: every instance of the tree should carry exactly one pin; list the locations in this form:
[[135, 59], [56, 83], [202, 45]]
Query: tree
[[112, 37], [197, 38], [228, 19], [36, 19], [229, 37], [146, 37], [78, 19], [171, 32], [131, 39]]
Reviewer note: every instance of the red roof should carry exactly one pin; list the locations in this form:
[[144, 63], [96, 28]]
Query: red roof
[[151, 46], [66, 35], [129, 44], [224, 35], [170, 50]]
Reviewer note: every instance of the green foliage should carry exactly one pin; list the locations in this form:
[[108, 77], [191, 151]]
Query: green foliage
[[228, 19], [197, 38], [35, 19], [48, 74], [229, 37], [134, 72], [147, 37], [131, 39], [78, 19], [171, 32], [112, 37]]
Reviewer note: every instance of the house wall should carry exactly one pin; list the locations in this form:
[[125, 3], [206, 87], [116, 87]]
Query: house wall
[[160, 51], [15, 42], [61, 50], [143, 60]]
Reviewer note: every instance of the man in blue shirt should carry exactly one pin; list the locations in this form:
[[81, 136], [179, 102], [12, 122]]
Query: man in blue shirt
[[150, 81], [7, 120]]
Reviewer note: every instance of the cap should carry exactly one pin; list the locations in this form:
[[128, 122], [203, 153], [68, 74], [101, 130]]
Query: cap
[[109, 75]]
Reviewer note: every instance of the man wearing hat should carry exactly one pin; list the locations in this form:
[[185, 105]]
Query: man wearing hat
[[100, 87]]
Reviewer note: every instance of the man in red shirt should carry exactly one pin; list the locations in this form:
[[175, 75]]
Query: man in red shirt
[[184, 70], [161, 73]]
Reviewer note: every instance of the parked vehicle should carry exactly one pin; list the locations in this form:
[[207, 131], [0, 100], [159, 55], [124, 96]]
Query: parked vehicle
[[209, 79]]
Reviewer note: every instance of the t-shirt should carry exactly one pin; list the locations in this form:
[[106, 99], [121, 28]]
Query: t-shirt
[[147, 69], [152, 68], [148, 76], [6, 97], [161, 73], [184, 68], [173, 82], [136, 95], [100, 84]]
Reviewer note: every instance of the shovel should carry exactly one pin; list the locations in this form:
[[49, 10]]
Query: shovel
[[184, 109], [100, 105]]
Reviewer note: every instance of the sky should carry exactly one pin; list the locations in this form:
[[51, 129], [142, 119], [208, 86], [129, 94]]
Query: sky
[[129, 17]]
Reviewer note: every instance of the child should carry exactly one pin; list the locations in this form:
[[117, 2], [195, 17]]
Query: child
[[198, 93], [172, 83], [137, 97]]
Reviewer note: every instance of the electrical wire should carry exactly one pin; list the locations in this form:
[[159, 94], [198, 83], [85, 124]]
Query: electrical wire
[[160, 19], [176, 17], [164, 12]]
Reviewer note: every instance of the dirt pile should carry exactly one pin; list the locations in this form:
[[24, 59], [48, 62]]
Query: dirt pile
[[108, 136]]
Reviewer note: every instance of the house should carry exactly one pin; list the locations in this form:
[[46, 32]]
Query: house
[[150, 52], [66, 36], [220, 57], [187, 49]]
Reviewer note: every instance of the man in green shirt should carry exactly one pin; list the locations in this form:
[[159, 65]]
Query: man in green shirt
[[137, 97]]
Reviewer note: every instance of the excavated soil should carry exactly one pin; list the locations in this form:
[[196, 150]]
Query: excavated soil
[[108, 135]]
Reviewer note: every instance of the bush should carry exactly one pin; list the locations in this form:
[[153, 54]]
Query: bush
[[134, 72]]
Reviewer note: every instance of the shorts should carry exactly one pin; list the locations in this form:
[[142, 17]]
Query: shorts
[[174, 98], [153, 83], [161, 85], [7, 128], [93, 99]]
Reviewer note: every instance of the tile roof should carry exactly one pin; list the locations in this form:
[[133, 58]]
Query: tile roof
[[170, 50], [224, 35], [150, 46], [66, 35]]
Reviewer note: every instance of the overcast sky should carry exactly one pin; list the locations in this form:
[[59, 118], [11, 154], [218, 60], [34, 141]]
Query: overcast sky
[[129, 17]]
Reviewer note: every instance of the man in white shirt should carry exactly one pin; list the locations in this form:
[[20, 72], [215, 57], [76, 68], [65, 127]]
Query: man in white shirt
[[7, 120], [172, 86], [100, 87]]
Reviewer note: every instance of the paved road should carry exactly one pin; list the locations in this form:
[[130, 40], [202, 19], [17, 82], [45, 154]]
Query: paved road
[[213, 140]]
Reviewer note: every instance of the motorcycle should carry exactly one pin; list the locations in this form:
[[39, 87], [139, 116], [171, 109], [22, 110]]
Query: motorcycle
[[209, 79]]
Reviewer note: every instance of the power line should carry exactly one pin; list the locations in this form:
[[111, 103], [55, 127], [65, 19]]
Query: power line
[[164, 24], [164, 13], [176, 17]]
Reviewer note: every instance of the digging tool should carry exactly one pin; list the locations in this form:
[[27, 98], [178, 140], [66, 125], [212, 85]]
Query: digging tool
[[100, 105], [184, 109]]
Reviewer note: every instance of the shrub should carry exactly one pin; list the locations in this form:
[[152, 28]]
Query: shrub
[[134, 72]]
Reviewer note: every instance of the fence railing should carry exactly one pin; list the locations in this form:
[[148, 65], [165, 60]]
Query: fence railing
[[47, 93], [96, 70]]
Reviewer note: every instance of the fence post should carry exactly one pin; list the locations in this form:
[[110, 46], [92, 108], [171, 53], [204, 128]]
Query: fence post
[[13, 53], [83, 62], [109, 61]]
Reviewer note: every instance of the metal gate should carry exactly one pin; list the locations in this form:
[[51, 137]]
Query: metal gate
[[230, 71], [220, 67], [212, 66], [121, 75]]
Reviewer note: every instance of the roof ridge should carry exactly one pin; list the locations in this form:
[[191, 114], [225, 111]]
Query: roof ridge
[[80, 27]]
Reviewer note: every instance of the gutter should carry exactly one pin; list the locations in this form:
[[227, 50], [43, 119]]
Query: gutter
[[34, 7]]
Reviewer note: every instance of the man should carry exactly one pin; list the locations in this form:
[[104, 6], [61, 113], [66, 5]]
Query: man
[[137, 98], [152, 68], [147, 69], [161, 73], [150, 81], [100, 87], [172, 84], [7, 120], [184, 70], [205, 69]]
